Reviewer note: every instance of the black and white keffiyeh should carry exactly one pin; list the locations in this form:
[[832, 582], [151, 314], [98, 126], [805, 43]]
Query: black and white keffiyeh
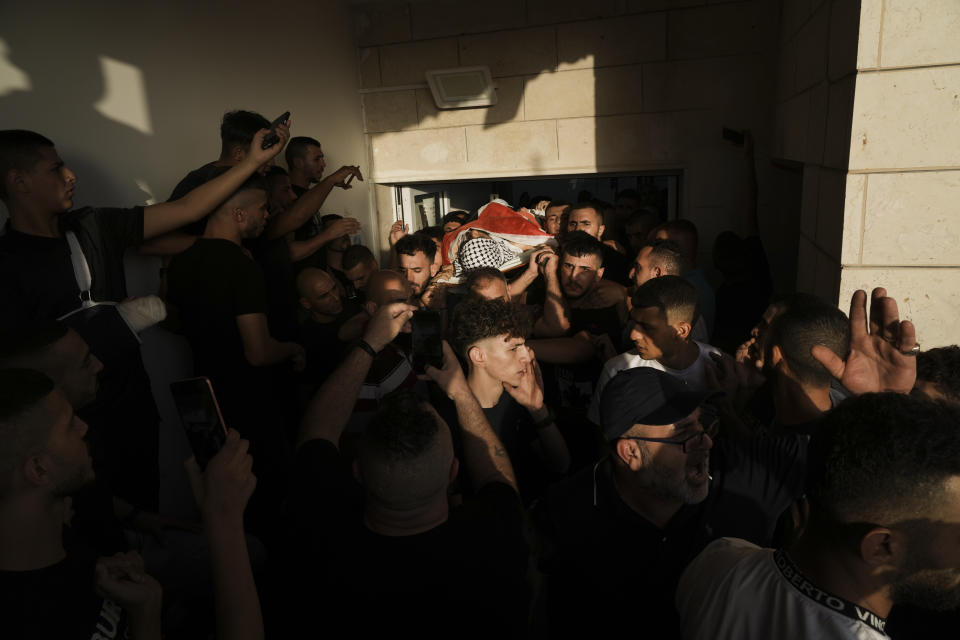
[[482, 252]]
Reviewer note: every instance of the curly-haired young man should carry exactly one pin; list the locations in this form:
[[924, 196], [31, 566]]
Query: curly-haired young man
[[490, 336]]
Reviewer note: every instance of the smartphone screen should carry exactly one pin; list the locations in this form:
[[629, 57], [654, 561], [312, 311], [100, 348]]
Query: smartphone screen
[[426, 339], [200, 416]]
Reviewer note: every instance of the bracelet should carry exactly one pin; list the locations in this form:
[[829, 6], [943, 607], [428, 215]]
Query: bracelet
[[363, 344], [545, 421]]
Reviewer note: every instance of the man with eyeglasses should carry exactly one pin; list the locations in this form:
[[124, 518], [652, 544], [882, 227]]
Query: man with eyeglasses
[[617, 535]]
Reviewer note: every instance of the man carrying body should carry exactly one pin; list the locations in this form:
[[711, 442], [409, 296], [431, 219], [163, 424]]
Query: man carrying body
[[553, 216], [589, 303], [391, 543], [586, 218], [38, 280], [490, 335], [416, 253], [664, 312]]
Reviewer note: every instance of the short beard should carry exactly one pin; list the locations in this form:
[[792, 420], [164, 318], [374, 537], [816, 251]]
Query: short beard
[[670, 485], [936, 589]]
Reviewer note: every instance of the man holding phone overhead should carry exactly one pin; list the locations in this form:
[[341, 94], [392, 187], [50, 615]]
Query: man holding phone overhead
[[40, 278]]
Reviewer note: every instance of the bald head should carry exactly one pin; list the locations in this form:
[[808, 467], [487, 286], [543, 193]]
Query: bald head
[[386, 286], [319, 293]]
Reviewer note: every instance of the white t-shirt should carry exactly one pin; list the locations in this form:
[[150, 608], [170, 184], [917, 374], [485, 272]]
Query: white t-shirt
[[738, 591], [694, 375]]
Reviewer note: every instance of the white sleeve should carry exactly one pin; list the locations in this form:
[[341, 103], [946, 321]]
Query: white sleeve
[[705, 572]]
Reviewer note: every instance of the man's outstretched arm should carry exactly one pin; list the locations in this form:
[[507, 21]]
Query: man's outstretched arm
[[306, 205], [167, 216], [331, 406]]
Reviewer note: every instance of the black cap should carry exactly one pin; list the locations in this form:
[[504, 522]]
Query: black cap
[[644, 395]]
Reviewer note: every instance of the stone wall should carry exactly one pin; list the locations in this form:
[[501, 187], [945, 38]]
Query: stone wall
[[902, 206], [816, 78], [583, 87]]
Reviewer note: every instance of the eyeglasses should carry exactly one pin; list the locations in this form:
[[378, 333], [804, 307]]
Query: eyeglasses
[[687, 444]]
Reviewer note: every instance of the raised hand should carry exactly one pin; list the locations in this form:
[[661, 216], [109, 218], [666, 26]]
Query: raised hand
[[345, 176], [548, 261], [529, 394], [224, 487], [259, 155], [386, 323], [397, 231], [121, 578], [343, 227], [882, 354], [533, 266]]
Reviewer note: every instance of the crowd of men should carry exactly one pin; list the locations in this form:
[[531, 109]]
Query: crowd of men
[[604, 442]]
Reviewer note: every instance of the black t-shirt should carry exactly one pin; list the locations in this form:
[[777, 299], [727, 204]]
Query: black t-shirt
[[38, 284], [190, 182], [211, 283], [572, 385], [601, 557], [514, 426], [616, 266], [273, 256], [59, 602], [741, 303], [463, 577], [323, 346], [309, 229]]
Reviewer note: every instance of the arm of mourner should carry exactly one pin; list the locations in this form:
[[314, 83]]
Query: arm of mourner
[[300, 249], [550, 445], [518, 286], [882, 355], [310, 202], [486, 459], [167, 244], [555, 321], [222, 491], [331, 406], [259, 347], [167, 216], [121, 578]]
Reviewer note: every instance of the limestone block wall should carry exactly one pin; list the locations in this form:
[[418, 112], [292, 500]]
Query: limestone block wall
[[583, 87], [816, 81], [902, 206]]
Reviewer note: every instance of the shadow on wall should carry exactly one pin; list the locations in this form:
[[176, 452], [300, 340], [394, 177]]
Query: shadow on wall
[[133, 93], [588, 87]]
